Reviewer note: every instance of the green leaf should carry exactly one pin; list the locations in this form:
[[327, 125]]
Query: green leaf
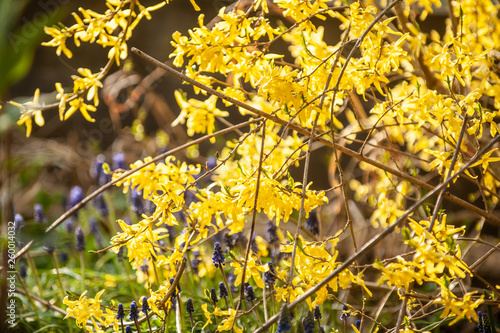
[[406, 233]]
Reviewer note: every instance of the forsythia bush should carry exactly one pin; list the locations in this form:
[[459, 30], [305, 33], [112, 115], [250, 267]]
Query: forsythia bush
[[404, 103]]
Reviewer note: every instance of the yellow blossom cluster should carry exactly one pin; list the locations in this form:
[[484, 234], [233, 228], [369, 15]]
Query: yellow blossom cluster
[[150, 178], [437, 254], [200, 116], [437, 259], [227, 322], [111, 29], [89, 309], [139, 239], [313, 262]]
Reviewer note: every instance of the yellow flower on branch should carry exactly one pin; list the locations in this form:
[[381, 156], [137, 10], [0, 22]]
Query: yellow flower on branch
[[87, 82], [200, 116], [252, 271], [139, 239], [227, 323], [461, 308], [79, 104], [85, 309], [30, 110], [59, 36]]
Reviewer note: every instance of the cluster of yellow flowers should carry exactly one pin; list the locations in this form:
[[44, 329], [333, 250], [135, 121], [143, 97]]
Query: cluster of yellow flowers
[[437, 259], [111, 30], [85, 309], [313, 262]]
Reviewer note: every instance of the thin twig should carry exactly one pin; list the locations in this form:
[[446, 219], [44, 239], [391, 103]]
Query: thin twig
[[439, 200], [252, 226]]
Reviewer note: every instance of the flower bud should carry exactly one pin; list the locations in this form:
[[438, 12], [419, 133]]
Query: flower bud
[[80, 239], [285, 321], [76, 195], [39, 215], [308, 323], [119, 161], [218, 258], [134, 313], [189, 306], [145, 305], [121, 312], [213, 296], [223, 290], [312, 223], [250, 294]]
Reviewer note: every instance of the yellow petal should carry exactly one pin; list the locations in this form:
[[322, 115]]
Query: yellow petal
[[195, 6]]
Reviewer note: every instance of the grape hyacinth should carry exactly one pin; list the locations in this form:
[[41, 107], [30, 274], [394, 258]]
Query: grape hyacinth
[[232, 240], [145, 305], [270, 275], [70, 224], [38, 214], [250, 294], [317, 313], [23, 269], [145, 309], [222, 290], [196, 262], [253, 246], [223, 293], [145, 268], [49, 248], [211, 162], [120, 314], [218, 258], [119, 161], [95, 231], [175, 293], [272, 233], [80, 239], [483, 323], [230, 280], [171, 232], [177, 290], [100, 205], [357, 324], [63, 257], [119, 254], [136, 202], [285, 322], [134, 312], [128, 329], [18, 223], [189, 197], [300, 327], [149, 209], [213, 296], [76, 195], [189, 306], [312, 223], [308, 323], [190, 310], [97, 171]]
